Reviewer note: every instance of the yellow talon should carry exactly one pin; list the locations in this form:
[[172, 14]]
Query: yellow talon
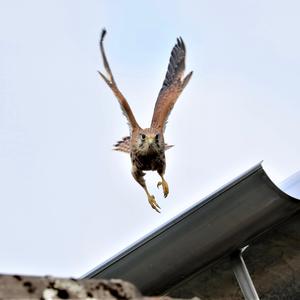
[[153, 203], [165, 187]]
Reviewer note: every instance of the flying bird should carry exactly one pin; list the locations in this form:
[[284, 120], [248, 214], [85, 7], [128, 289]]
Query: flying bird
[[147, 146]]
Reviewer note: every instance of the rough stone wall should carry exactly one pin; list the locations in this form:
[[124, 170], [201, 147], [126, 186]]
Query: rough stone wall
[[49, 288]]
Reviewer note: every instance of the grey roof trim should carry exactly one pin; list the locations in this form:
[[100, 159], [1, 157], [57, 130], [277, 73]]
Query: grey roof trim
[[222, 222]]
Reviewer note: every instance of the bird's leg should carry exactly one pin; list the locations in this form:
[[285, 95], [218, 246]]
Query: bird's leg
[[138, 175], [164, 185]]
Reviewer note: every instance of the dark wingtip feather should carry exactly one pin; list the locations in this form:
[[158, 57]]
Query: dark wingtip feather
[[103, 33], [176, 63], [181, 43]]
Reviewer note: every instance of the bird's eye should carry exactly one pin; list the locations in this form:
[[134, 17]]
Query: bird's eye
[[143, 136], [157, 137]]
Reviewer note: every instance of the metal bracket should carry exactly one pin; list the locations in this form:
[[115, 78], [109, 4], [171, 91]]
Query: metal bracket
[[242, 275]]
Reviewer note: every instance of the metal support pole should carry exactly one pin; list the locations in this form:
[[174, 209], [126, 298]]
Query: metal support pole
[[242, 276]]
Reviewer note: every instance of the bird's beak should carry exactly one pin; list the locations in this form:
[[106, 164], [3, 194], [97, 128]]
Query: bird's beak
[[150, 140]]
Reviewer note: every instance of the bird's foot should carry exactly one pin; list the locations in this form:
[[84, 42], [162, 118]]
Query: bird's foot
[[164, 186], [153, 203]]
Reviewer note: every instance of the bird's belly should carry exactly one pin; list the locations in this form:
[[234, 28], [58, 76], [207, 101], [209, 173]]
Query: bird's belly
[[148, 162]]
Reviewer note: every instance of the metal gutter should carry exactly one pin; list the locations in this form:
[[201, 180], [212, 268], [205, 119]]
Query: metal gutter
[[215, 227]]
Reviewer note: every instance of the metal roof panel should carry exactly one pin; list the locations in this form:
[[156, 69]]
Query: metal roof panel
[[213, 228]]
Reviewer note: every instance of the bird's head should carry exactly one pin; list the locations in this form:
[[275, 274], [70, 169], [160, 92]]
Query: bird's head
[[149, 141]]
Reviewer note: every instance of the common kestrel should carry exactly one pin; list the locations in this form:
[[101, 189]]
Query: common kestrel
[[146, 146]]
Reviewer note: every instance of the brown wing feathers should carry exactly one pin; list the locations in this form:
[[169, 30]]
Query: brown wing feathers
[[112, 84], [172, 85], [170, 91], [176, 64], [124, 145]]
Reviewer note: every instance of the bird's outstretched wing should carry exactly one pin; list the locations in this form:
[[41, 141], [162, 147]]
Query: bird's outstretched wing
[[124, 145], [112, 84], [173, 85]]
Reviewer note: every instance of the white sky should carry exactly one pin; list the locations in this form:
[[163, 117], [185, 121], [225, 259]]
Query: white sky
[[67, 201]]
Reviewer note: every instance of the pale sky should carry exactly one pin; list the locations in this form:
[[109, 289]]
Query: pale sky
[[68, 202]]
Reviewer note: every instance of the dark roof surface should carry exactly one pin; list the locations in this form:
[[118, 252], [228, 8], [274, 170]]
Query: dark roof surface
[[221, 223], [273, 261]]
